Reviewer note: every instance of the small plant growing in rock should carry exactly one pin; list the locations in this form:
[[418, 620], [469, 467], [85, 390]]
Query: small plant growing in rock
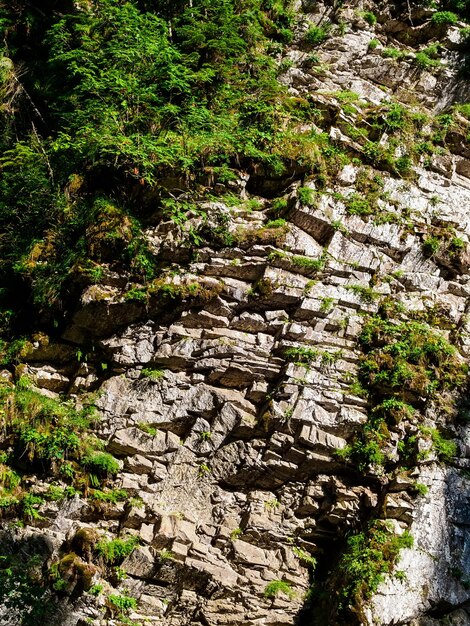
[[146, 428], [420, 488], [446, 449], [236, 533], [369, 556], [279, 223], [366, 294], [301, 355], [121, 603], [326, 304], [165, 555], [393, 53], [305, 557], [101, 463], [316, 35], [444, 17], [114, 551], [153, 374], [205, 435], [96, 590], [276, 587], [369, 17], [272, 504], [306, 195], [279, 205], [430, 246], [203, 470]]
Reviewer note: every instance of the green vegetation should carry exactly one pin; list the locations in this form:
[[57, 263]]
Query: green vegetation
[[403, 364], [316, 35], [301, 355], [135, 92], [276, 587], [153, 374], [101, 463], [369, 17], [236, 533], [444, 17], [305, 557], [306, 195], [114, 551], [51, 438], [368, 557], [22, 589], [393, 53], [121, 603], [366, 294]]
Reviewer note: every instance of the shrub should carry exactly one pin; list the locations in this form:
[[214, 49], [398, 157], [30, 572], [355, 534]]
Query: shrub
[[373, 43]]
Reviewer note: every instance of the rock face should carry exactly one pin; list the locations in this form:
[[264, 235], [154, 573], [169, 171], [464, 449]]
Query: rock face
[[226, 405]]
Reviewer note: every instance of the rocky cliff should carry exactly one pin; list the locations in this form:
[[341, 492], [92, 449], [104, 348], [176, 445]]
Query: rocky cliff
[[287, 401]]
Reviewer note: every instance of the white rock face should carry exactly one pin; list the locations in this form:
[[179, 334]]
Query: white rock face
[[437, 566]]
